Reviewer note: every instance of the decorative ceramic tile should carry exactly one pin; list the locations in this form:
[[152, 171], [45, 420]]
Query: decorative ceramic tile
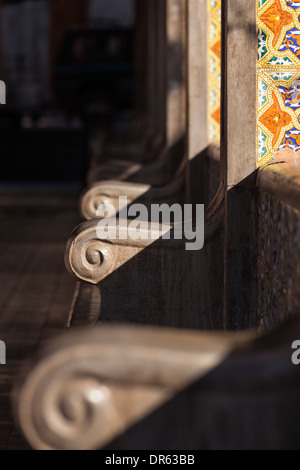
[[214, 69], [278, 112], [279, 32], [278, 77]]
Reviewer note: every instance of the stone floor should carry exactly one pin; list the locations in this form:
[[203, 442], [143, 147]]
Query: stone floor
[[36, 291]]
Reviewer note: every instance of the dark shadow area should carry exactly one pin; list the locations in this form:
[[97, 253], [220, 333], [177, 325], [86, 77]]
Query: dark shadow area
[[48, 154], [204, 175], [67, 72], [243, 248]]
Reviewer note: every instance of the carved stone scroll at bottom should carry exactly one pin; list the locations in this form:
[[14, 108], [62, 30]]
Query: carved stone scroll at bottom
[[86, 388]]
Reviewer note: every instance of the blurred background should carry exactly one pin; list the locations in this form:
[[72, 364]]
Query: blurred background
[[68, 68]]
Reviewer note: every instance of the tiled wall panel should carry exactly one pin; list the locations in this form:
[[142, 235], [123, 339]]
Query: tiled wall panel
[[278, 75], [214, 68]]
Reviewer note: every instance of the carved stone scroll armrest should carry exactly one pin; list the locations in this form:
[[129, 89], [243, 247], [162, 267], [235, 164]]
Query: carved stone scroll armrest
[[156, 173], [143, 145], [91, 258], [151, 279], [107, 194], [86, 388], [224, 390]]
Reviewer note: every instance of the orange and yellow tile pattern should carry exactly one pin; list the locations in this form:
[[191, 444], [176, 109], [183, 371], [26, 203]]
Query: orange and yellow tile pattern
[[214, 69], [278, 77]]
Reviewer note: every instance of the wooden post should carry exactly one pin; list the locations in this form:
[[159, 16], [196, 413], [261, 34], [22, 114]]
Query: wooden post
[[141, 58], [151, 67], [175, 92], [1, 51], [239, 52], [161, 69], [238, 161], [197, 77]]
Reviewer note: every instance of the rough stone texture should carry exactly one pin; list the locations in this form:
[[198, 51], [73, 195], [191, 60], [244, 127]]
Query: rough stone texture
[[279, 261]]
